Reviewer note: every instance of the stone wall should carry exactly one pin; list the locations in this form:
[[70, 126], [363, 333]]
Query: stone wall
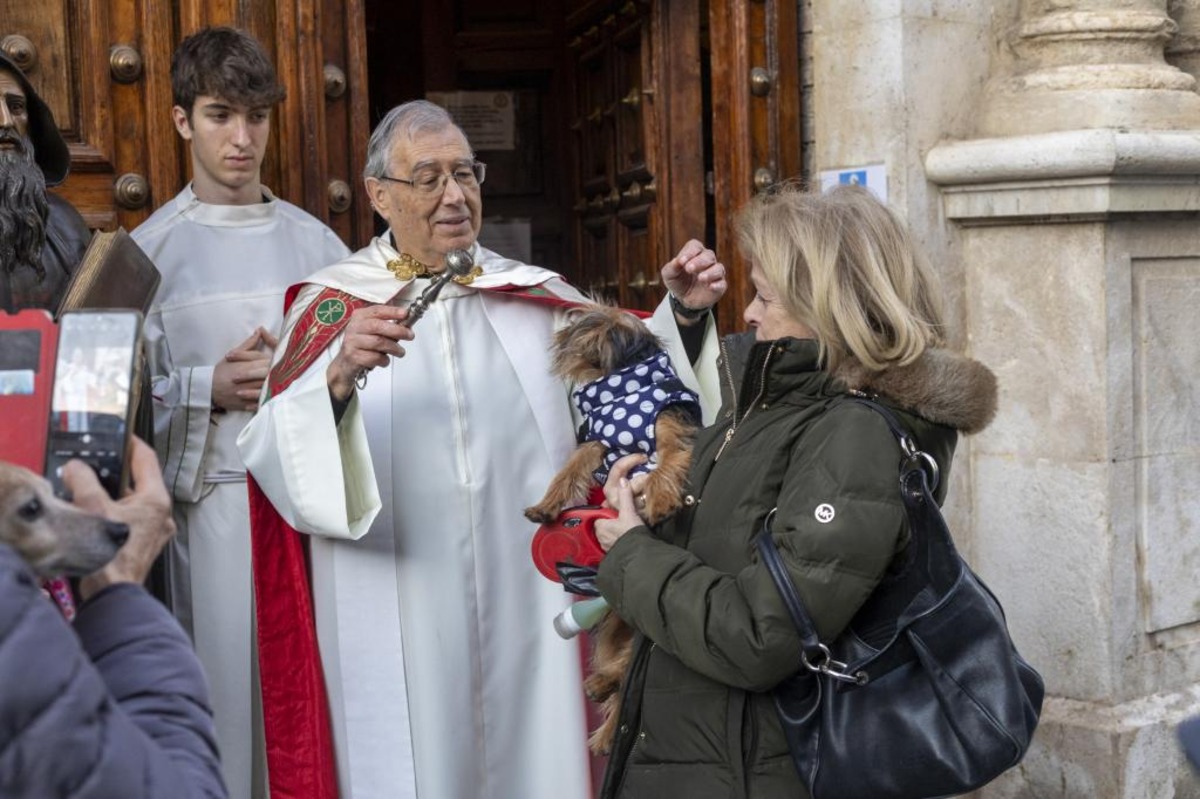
[[1047, 154]]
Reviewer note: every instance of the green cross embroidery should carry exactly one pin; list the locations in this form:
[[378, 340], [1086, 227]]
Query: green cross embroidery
[[330, 311]]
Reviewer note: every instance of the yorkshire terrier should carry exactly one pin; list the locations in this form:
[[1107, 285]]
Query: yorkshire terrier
[[632, 402]]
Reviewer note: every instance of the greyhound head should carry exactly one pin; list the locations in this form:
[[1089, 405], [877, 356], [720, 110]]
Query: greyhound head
[[52, 535]]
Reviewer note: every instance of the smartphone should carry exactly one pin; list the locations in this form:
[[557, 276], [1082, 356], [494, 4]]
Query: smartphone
[[96, 379]]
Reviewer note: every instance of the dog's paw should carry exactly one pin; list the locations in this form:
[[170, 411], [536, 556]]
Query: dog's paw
[[659, 508], [540, 514], [599, 687], [600, 741]]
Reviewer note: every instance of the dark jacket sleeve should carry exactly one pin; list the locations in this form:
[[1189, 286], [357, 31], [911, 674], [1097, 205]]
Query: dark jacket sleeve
[[124, 714], [734, 628]]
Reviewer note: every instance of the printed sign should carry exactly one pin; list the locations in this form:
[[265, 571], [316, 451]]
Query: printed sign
[[873, 176], [486, 117]]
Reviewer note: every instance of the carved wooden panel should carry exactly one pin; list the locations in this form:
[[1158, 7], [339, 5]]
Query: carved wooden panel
[[639, 139], [593, 183]]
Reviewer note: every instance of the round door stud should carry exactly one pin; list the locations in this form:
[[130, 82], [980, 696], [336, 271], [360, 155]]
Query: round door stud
[[339, 194], [131, 191], [760, 82], [764, 178], [21, 50], [335, 81], [125, 63]]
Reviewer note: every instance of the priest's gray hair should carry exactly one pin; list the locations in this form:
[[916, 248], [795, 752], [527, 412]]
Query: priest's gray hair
[[408, 120]]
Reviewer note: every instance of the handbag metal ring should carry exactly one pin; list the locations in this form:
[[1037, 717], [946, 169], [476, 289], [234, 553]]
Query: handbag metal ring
[[928, 464], [834, 668], [931, 468]]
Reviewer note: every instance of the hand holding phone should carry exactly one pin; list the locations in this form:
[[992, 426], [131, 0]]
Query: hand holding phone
[[146, 509], [96, 377]]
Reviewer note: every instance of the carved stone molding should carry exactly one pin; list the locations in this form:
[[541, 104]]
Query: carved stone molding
[[1067, 176], [1092, 64]]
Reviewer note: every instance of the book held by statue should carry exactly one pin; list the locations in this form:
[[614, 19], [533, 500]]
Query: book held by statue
[[114, 273]]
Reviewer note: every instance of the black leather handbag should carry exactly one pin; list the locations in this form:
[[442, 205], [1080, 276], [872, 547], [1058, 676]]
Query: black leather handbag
[[924, 694]]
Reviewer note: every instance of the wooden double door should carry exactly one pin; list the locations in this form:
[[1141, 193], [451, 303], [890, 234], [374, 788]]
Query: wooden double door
[[634, 124]]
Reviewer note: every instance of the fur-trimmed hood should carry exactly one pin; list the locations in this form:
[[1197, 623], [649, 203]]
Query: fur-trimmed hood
[[941, 386]]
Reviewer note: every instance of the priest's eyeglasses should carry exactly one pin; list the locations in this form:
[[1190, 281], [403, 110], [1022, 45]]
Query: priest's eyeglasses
[[431, 180]]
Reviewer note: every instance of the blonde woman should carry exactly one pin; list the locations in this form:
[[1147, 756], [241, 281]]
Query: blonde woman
[[844, 302]]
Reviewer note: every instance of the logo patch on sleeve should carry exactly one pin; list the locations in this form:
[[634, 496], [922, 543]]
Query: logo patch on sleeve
[[824, 513]]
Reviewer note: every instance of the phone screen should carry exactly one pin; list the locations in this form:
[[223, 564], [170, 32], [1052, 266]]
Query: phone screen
[[94, 378]]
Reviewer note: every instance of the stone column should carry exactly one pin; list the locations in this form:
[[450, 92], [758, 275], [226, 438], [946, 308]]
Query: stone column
[[1091, 64], [1078, 205], [1183, 50]]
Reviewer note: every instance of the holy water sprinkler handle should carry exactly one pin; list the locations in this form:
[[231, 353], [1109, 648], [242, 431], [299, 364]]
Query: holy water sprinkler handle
[[458, 263]]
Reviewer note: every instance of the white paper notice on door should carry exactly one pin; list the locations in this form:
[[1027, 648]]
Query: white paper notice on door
[[486, 117]]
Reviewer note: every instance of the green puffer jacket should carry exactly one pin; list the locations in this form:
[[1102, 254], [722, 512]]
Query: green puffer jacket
[[697, 718]]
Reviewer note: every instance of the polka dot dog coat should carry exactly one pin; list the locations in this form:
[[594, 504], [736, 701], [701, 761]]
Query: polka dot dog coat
[[620, 409]]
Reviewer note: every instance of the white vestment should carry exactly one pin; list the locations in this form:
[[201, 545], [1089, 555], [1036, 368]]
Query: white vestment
[[445, 677], [225, 269]]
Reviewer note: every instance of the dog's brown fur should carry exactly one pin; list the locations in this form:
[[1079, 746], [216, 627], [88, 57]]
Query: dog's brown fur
[[52, 535], [601, 340]]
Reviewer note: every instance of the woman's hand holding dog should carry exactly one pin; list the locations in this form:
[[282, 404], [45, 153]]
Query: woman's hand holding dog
[[695, 277], [371, 339], [626, 496], [146, 509]]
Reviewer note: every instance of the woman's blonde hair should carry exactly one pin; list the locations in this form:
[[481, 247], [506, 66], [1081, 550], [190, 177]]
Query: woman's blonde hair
[[846, 266]]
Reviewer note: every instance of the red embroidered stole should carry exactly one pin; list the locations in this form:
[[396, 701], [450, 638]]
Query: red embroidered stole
[[300, 754]]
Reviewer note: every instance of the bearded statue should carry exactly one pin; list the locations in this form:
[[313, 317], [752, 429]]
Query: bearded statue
[[42, 238], [23, 208]]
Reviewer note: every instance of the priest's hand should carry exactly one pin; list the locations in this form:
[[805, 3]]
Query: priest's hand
[[237, 380], [371, 339], [696, 279]]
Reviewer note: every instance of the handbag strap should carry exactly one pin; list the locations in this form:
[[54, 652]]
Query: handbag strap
[[814, 655], [908, 445], [809, 640]]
